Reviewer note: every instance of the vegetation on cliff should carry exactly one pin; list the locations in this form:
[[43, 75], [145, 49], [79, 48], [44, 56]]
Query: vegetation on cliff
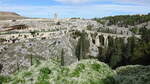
[[50, 72], [130, 74], [133, 51], [83, 72], [125, 20]]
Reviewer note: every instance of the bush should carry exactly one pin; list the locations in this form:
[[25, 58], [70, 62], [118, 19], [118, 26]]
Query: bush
[[4, 79], [133, 74], [83, 72], [125, 20]]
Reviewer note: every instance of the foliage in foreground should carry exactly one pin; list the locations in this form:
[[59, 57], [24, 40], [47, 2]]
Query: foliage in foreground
[[50, 72], [83, 72], [133, 74]]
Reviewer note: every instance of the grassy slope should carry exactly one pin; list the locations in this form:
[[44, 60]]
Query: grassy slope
[[50, 72], [82, 72]]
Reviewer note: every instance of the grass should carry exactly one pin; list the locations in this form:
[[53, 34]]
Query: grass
[[83, 72]]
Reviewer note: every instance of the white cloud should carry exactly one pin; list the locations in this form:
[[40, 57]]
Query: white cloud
[[74, 1], [138, 2], [86, 11]]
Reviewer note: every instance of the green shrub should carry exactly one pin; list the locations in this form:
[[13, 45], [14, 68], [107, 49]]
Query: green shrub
[[4, 79], [82, 72], [133, 74]]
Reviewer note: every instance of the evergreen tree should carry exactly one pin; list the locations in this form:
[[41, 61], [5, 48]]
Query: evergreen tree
[[83, 45], [110, 49], [133, 43], [31, 59], [101, 56], [116, 57], [145, 34], [62, 57], [142, 51], [127, 53], [18, 67], [101, 39], [1, 67]]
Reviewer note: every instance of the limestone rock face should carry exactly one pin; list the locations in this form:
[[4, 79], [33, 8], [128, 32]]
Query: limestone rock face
[[20, 53], [45, 39]]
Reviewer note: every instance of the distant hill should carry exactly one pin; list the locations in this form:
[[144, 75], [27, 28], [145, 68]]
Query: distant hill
[[125, 20], [10, 16]]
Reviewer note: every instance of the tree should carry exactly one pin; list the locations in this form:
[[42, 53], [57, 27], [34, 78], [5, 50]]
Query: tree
[[102, 54], [101, 39], [18, 65], [83, 45], [116, 56], [134, 30], [1, 67], [89, 27], [109, 49], [33, 33], [127, 53], [62, 57], [58, 23], [31, 59], [141, 54], [145, 34]]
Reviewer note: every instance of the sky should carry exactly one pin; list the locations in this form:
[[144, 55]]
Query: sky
[[75, 8]]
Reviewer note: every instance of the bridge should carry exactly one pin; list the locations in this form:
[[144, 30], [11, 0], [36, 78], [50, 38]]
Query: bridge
[[105, 36]]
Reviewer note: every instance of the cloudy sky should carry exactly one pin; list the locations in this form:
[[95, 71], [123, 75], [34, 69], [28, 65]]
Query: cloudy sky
[[75, 8]]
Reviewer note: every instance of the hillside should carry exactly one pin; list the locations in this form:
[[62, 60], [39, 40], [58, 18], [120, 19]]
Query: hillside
[[83, 72], [125, 20], [132, 23], [10, 16], [80, 46], [47, 38]]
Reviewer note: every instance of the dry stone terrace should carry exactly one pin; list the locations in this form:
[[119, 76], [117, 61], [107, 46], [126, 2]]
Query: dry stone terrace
[[24, 37], [49, 24], [49, 28], [44, 28], [20, 37]]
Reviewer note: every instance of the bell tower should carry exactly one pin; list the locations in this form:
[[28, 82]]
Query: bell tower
[[55, 16]]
